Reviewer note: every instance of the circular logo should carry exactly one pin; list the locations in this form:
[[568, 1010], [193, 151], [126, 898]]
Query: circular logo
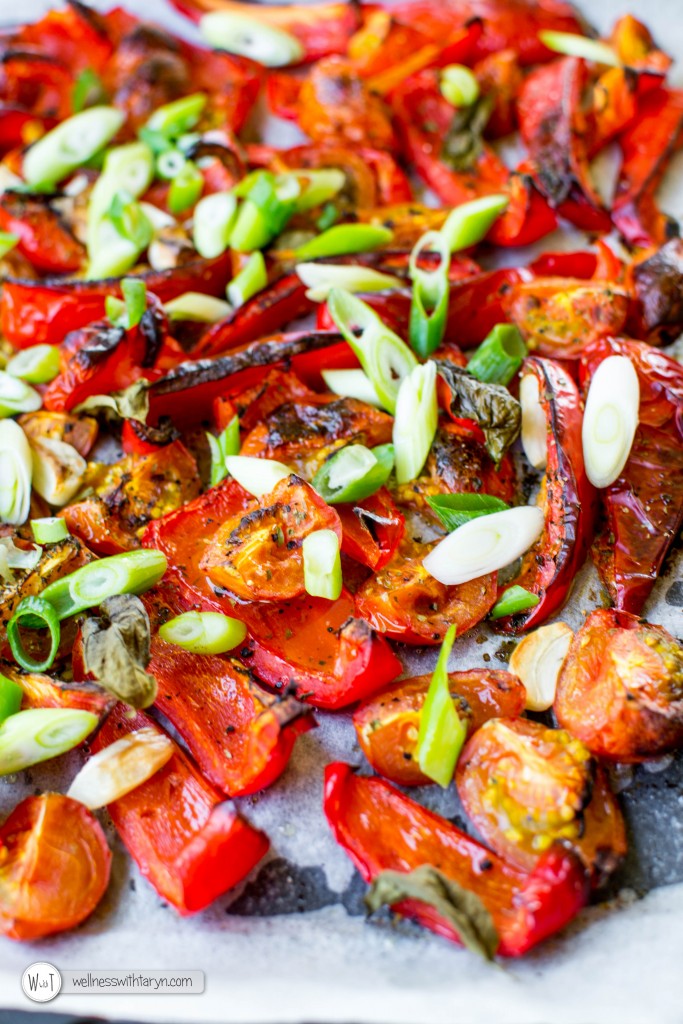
[[41, 982]]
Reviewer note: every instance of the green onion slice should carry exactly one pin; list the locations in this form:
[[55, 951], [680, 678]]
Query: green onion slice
[[87, 91], [415, 423], [354, 472], [429, 306], [258, 476], [252, 278], [212, 223], [39, 734], [343, 239], [128, 169], [186, 188], [11, 696], [8, 241], [499, 356], [16, 473], [129, 312], [442, 732], [318, 186], [250, 37], [49, 530], [204, 632], [459, 85], [222, 447], [469, 223], [16, 396], [71, 144], [455, 509], [196, 306], [36, 365], [178, 117], [33, 612], [383, 355], [352, 384], [515, 599], [574, 45], [321, 278], [123, 234], [322, 564], [170, 163], [269, 203], [534, 424], [132, 572], [610, 419]]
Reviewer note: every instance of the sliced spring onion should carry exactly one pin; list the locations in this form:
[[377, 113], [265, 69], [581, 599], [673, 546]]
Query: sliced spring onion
[[352, 384], [35, 613], [252, 278], [515, 599], [170, 163], [39, 734], [134, 303], [87, 91], [537, 660], [132, 572], [71, 144], [58, 470], [7, 242], [319, 186], [49, 530], [499, 356], [354, 472], [534, 425], [415, 423], [343, 239], [17, 396], [186, 188], [11, 696], [459, 85], [212, 224], [122, 236], [196, 306], [321, 278], [121, 767], [484, 545], [456, 509], [12, 557], [322, 564], [36, 365], [385, 358], [442, 732], [610, 419], [250, 37], [178, 117], [129, 169], [328, 216], [269, 202], [204, 632], [429, 306], [222, 447], [574, 45], [16, 472], [258, 476], [469, 223]]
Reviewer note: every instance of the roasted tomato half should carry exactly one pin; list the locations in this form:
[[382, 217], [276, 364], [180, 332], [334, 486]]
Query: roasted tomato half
[[621, 687], [256, 554], [525, 787], [54, 866], [387, 725]]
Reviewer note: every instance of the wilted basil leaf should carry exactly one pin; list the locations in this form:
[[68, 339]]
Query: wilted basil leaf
[[130, 404], [491, 405], [464, 140], [116, 650], [455, 510]]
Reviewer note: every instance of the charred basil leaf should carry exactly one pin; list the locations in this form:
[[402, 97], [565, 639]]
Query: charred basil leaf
[[130, 404], [116, 650], [491, 406]]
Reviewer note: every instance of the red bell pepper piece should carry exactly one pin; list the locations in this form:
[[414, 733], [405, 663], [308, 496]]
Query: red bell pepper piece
[[548, 568], [34, 312], [372, 530], [553, 128], [189, 844], [44, 238], [643, 508], [76, 36], [15, 121], [381, 829], [317, 645], [647, 146]]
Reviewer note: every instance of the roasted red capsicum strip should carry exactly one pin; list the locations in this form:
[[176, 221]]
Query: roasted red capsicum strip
[[187, 842], [568, 499], [372, 530], [643, 508], [381, 829], [44, 238]]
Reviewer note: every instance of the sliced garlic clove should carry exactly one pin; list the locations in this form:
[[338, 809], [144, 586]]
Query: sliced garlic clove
[[58, 470], [610, 419], [537, 661], [121, 767], [534, 426]]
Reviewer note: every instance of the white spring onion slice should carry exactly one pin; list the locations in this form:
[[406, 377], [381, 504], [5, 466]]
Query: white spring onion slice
[[321, 278], [128, 168], [159, 219], [197, 306], [71, 144], [610, 419], [132, 572], [212, 224], [534, 426], [383, 355], [58, 470], [36, 365], [252, 278], [352, 462], [468, 223], [415, 423], [574, 45], [49, 530], [17, 396], [484, 545], [322, 564], [352, 384], [16, 472], [258, 476], [249, 37], [459, 85], [38, 734], [204, 632], [537, 660], [12, 557], [121, 767], [318, 186]]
